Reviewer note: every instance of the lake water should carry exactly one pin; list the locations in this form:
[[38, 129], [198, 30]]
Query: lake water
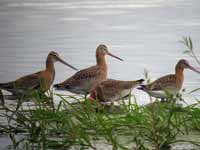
[[144, 33]]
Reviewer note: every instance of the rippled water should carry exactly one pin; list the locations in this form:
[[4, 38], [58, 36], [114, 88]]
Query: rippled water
[[144, 33]]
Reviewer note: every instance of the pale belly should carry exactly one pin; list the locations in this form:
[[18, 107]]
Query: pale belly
[[163, 94], [84, 87], [117, 96]]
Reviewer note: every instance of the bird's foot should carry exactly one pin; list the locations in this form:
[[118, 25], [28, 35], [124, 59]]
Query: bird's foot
[[163, 100]]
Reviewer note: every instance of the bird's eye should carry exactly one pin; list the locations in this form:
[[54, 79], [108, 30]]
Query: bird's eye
[[104, 48], [186, 63], [55, 54]]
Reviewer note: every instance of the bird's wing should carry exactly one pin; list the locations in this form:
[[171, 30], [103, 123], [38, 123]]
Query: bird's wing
[[109, 87], [163, 83], [118, 84], [109, 83], [83, 75], [29, 82]]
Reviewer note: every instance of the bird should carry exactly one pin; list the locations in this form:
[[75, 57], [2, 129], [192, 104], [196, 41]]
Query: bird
[[82, 81], [112, 90], [168, 85], [41, 80]]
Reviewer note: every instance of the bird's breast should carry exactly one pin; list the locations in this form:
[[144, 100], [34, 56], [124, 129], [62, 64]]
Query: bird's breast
[[47, 79]]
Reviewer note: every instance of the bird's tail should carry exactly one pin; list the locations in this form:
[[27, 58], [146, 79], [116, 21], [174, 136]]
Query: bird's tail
[[60, 86], [8, 85], [140, 81], [136, 83], [56, 86], [142, 87]]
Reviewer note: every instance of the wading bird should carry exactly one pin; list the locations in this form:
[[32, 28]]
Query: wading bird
[[84, 80], [41, 80], [169, 84], [112, 90]]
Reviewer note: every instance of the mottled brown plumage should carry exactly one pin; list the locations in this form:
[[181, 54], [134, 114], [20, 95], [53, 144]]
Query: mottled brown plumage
[[171, 84], [112, 90], [40, 80], [84, 80]]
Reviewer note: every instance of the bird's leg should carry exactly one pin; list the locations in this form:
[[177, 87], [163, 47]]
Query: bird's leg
[[179, 97], [48, 99], [163, 100], [85, 96], [51, 102]]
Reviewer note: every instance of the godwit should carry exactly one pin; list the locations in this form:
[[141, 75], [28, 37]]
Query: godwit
[[112, 90], [40, 80], [84, 80], [169, 84]]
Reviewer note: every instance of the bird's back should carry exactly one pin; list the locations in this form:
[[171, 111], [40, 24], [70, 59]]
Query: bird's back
[[22, 84], [163, 83], [112, 90], [82, 81]]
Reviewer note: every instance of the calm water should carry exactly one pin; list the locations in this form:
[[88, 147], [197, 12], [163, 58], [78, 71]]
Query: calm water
[[144, 33]]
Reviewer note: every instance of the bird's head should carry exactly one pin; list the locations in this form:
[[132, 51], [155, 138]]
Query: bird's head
[[54, 56], [103, 50], [185, 65]]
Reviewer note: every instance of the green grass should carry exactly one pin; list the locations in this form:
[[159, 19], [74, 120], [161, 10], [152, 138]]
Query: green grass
[[153, 126]]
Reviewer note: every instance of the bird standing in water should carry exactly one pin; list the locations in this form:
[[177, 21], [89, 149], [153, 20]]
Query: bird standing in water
[[169, 84], [84, 80], [41, 80], [112, 90]]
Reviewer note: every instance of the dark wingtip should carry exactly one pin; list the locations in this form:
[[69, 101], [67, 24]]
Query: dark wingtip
[[142, 87], [141, 80], [1, 85], [56, 86], [61, 86]]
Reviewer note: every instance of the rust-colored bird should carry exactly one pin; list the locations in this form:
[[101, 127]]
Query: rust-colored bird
[[40, 80], [84, 80], [169, 84], [112, 90]]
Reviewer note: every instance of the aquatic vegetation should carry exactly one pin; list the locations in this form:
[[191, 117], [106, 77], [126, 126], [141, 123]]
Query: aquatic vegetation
[[156, 125]]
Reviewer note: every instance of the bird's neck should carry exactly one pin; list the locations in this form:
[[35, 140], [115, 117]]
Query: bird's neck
[[101, 61], [179, 72], [50, 65]]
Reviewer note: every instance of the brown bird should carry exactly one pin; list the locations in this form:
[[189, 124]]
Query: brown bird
[[40, 80], [112, 90], [169, 84], [84, 80]]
